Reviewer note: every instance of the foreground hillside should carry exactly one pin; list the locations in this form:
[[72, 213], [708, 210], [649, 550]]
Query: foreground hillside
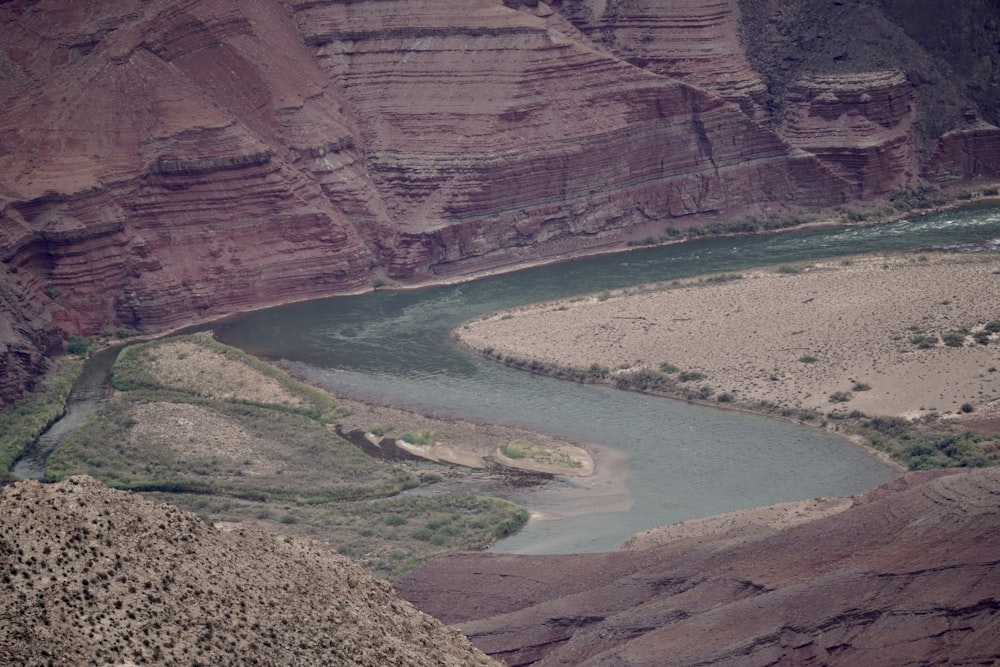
[[94, 576], [169, 160], [907, 574]]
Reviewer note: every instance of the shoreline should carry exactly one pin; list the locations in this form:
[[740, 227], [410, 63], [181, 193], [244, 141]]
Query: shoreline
[[620, 245], [813, 343]]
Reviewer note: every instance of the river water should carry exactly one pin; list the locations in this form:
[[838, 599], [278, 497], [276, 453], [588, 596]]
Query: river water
[[684, 461]]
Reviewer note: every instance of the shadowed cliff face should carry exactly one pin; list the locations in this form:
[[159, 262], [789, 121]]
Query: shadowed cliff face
[[168, 160], [908, 575]]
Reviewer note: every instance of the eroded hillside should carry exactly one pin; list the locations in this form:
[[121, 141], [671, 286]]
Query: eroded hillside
[[95, 576]]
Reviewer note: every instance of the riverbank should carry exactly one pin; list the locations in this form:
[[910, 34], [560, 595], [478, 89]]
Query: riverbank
[[911, 335]]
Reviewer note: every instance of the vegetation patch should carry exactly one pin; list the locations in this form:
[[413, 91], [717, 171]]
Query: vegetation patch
[[146, 440], [212, 429], [422, 437], [389, 537], [22, 422], [919, 450], [526, 449]]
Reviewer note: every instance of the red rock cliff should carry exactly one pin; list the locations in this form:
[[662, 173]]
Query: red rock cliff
[[168, 160]]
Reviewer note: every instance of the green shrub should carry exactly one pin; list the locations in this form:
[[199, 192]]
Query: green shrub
[[841, 396], [80, 346], [861, 386], [381, 429], [667, 367], [808, 359], [954, 339], [23, 421], [421, 437], [691, 376]]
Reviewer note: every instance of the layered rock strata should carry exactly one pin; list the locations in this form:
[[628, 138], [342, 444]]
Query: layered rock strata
[[907, 575], [169, 160]]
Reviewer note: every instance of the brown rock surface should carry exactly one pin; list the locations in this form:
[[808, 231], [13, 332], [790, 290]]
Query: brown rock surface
[[94, 576], [169, 160], [908, 575]]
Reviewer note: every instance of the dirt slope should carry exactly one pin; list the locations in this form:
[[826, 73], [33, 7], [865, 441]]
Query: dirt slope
[[908, 575], [93, 576]]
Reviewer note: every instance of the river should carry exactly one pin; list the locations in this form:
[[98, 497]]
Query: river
[[684, 461]]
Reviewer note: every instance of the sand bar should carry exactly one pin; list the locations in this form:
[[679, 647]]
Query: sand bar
[[793, 335]]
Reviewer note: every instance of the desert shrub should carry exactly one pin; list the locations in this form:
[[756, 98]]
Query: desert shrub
[[80, 346], [841, 396], [726, 397], [644, 380], [993, 326], [667, 367], [808, 359], [954, 339], [861, 386], [967, 407], [924, 341], [691, 376], [981, 337]]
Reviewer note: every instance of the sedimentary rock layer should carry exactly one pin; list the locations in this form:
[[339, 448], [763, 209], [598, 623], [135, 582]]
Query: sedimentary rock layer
[[908, 575], [169, 160]]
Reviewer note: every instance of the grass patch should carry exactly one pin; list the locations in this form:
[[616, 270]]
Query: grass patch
[[389, 537], [422, 437], [526, 449], [234, 449], [22, 422]]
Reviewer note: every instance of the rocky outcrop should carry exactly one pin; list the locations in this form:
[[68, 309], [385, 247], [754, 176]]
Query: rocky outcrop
[[908, 575], [694, 41], [94, 576], [858, 125], [166, 161]]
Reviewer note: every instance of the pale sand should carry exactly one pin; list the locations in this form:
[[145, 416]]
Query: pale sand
[[461, 442], [745, 524], [749, 336]]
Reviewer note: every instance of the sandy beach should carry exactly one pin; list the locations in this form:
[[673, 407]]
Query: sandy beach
[[866, 333]]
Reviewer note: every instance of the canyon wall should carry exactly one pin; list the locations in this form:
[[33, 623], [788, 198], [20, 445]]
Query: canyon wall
[[171, 160]]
